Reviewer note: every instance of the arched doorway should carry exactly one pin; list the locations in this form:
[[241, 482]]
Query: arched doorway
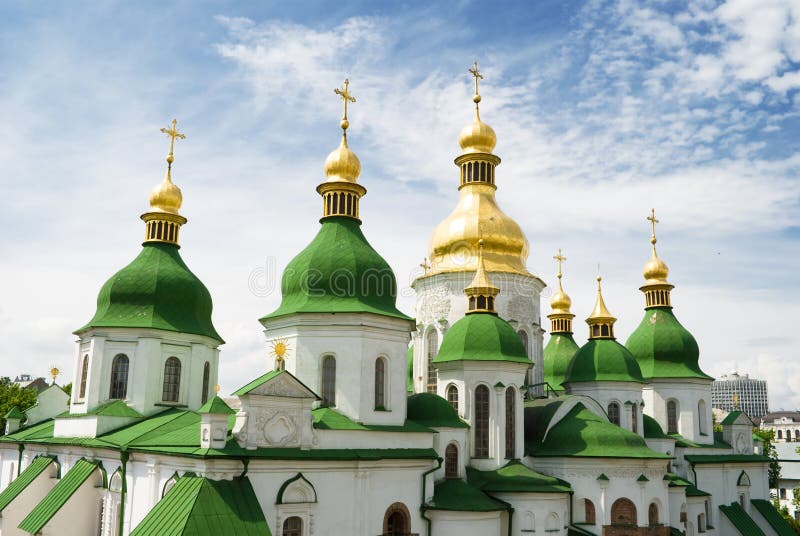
[[623, 512], [397, 520]]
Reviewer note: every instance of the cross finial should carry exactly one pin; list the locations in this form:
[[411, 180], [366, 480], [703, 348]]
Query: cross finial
[[560, 259], [476, 74], [346, 96], [173, 134], [653, 221], [425, 265]]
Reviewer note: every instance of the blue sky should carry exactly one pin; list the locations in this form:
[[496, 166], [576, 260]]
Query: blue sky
[[602, 108]]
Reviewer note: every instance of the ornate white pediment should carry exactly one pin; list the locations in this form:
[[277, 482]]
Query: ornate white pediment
[[284, 385]]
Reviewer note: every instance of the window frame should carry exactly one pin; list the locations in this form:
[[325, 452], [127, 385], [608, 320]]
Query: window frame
[[119, 369], [174, 378]]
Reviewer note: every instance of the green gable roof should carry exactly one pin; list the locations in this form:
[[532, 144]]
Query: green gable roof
[[515, 477], [14, 413], [216, 406], [557, 356], [481, 337], [664, 348], [582, 433], [197, 506], [603, 360], [330, 419], [455, 494], [338, 272], [772, 516], [433, 411], [264, 378], [741, 520], [156, 290], [114, 408], [18, 485], [731, 418], [58, 496]]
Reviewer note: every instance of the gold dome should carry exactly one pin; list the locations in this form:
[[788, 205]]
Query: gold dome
[[477, 137], [560, 302], [655, 270], [342, 165], [166, 197], [476, 217]]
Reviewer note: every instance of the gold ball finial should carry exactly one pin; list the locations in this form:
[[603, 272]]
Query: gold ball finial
[[477, 137], [166, 197], [560, 302], [476, 98], [342, 165], [655, 270]]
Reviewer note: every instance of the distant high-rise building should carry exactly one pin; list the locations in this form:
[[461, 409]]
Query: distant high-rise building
[[739, 391]]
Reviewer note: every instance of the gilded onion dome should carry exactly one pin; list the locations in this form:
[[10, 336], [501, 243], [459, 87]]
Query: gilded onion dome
[[477, 215]]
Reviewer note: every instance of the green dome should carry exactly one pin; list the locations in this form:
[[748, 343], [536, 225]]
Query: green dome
[[481, 337], [664, 348], [156, 290], [603, 360], [583, 433], [339, 272], [653, 430], [557, 356], [433, 411]]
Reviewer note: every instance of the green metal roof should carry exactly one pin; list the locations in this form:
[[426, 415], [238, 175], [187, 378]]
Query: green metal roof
[[14, 413], [772, 516], [18, 485], [156, 290], [197, 506], [338, 272], [515, 477], [216, 406], [741, 520], [114, 408], [582, 433], [653, 430], [725, 458], [557, 355], [731, 417], [603, 360], [455, 494], [481, 337], [58, 496], [433, 411], [264, 378], [664, 348], [330, 419]]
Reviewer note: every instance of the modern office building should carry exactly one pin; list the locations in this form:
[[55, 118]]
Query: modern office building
[[736, 391]]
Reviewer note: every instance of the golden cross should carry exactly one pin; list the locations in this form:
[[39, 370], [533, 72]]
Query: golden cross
[[173, 133], [476, 74], [425, 265], [344, 93], [653, 221], [559, 258]]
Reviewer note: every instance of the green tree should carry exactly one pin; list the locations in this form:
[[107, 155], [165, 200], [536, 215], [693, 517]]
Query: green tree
[[68, 388], [768, 438], [12, 395]]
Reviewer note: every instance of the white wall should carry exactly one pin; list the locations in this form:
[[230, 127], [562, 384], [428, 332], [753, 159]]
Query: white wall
[[445, 523], [687, 393]]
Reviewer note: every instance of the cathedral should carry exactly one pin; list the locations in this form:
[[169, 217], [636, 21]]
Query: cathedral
[[459, 421]]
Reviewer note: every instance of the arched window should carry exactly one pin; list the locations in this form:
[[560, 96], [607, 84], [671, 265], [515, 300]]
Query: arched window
[[672, 417], [481, 421], [652, 514], [589, 513], [524, 338], [329, 381], [172, 380], [452, 396], [84, 375], [451, 461], [635, 418], [511, 413], [780, 434], [380, 383], [206, 379], [797, 434], [623, 512], [119, 377], [613, 413], [701, 417], [397, 520], [432, 345], [552, 524], [293, 526]]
